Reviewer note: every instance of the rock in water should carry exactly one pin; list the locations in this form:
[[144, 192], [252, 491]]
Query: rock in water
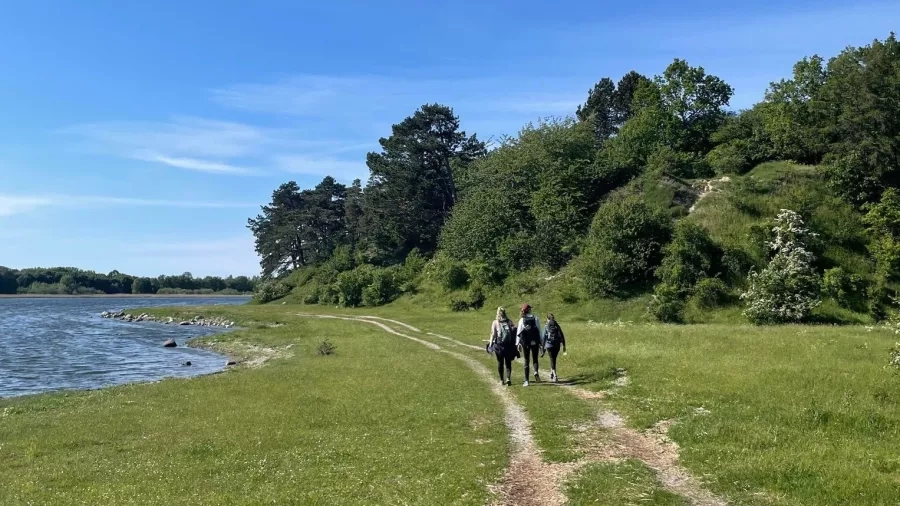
[[170, 343], [231, 362], [187, 363], [185, 323]]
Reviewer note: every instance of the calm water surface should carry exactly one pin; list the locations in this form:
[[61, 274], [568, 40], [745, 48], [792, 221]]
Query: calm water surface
[[57, 343]]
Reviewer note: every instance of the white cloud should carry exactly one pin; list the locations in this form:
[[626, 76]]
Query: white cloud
[[17, 204], [195, 164], [10, 205], [343, 170]]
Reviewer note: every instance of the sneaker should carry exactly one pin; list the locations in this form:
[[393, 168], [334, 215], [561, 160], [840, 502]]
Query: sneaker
[[508, 383], [536, 377], [525, 384]]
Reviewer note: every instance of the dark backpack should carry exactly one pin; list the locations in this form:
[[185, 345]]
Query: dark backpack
[[506, 335], [554, 335], [530, 333]]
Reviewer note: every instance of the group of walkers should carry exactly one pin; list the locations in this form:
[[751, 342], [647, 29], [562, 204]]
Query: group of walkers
[[509, 342]]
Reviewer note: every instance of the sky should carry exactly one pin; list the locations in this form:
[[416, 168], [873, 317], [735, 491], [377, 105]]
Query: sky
[[141, 136]]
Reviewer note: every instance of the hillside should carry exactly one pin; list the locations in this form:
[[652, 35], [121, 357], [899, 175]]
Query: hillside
[[654, 201]]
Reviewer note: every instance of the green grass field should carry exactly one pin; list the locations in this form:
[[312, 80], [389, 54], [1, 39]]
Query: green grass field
[[794, 415]]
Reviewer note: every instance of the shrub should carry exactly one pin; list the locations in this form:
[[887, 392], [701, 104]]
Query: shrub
[[269, 290], [383, 288], [844, 288], [624, 246], [728, 159], [311, 298], [666, 160], [329, 294], [787, 290], [710, 293], [667, 303], [476, 298], [449, 274], [326, 348], [689, 258], [486, 273], [350, 285], [458, 305]]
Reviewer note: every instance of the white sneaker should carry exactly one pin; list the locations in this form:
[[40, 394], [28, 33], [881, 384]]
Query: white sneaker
[[525, 384]]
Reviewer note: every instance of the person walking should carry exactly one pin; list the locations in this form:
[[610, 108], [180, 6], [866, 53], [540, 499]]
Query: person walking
[[552, 341], [503, 345], [528, 339]]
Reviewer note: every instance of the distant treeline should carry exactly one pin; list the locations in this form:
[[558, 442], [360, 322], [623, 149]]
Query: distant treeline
[[72, 281]]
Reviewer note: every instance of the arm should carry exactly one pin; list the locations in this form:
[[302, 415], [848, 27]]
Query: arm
[[494, 331], [562, 339], [519, 333]]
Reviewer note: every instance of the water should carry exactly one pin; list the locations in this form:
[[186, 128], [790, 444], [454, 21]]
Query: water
[[62, 343]]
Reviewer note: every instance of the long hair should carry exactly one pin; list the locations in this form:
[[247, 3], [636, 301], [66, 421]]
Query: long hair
[[526, 308], [501, 314], [550, 317]]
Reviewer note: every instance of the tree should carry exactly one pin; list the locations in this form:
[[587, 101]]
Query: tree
[[787, 290], [412, 187], [529, 200], [353, 213], [142, 285], [608, 106], [8, 282], [277, 234], [697, 100], [299, 227]]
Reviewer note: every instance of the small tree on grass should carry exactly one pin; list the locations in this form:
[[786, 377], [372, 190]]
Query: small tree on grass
[[787, 290]]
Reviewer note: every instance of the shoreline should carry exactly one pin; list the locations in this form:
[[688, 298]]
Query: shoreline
[[116, 296]]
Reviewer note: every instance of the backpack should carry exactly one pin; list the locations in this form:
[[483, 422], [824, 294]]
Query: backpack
[[506, 335], [553, 335], [530, 333]]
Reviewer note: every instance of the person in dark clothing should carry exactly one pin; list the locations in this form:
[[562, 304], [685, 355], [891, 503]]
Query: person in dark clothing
[[528, 339], [551, 342], [503, 345]]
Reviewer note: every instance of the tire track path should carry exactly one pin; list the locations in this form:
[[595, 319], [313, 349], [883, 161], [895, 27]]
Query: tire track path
[[524, 482]]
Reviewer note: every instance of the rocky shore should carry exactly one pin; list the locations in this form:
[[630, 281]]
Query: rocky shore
[[198, 321]]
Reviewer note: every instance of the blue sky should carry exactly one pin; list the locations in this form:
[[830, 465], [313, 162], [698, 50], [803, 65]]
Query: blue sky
[[141, 136]]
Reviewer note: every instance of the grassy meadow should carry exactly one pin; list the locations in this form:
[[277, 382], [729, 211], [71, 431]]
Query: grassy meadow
[[791, 415]]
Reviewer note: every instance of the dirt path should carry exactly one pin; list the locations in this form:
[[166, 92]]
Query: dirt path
[[525, 482], [532, 481]]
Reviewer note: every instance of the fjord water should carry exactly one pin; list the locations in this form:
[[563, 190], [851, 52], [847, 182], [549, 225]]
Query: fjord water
[[62, 343]]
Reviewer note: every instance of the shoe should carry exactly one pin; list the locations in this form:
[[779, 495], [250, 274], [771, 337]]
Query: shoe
[[525, 384], [508, 383], [536, 377], [502, 382]]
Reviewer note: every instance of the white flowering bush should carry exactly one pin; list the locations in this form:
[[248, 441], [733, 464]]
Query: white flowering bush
[[787, 290], [895, 357]]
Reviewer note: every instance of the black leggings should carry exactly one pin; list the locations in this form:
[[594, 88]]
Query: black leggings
[[554, 352], [504, 359], [530, 352]]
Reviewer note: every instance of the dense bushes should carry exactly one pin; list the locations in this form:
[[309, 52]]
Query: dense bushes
[[624, 246], [269, 290]]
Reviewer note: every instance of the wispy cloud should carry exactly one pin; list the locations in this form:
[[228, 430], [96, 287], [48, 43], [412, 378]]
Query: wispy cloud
[[195, 164], [10, 205], [372, 100], [18, 204], [339, 169]]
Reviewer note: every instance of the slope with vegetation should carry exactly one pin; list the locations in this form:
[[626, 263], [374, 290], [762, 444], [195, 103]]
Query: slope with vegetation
[[654, 194]]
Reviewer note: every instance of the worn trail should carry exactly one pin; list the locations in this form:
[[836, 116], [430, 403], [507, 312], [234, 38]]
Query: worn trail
[[526, 482]]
